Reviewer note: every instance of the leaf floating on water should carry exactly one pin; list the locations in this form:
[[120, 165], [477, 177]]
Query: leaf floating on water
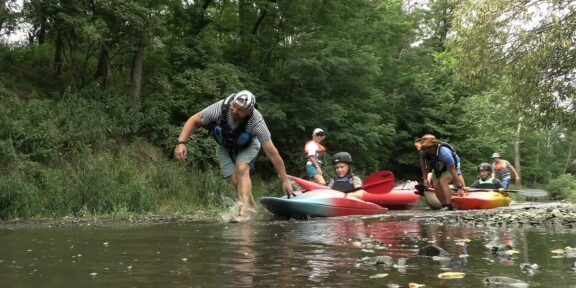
[[558, 251], [415, 285], [451, 275], [376, 276], [93, 274]]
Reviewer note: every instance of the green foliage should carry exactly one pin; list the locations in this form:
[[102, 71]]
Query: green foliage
[[562, 188], [374, 75]]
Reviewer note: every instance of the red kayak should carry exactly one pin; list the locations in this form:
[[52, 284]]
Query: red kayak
[[401, 196], [320, 203]]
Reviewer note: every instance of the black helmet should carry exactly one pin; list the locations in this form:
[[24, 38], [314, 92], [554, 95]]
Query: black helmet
[[341, 157], [485, 167]]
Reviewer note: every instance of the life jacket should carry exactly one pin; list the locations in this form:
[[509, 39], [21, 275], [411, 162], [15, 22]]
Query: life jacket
[[231, 139], [501, 168], [320, 152], [490, 183], [344, 184], [433, 163]]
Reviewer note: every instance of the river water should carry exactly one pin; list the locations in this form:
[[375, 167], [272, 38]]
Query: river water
[[279, 253]]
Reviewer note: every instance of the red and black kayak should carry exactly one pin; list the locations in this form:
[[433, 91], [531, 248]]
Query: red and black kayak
[[320, 203], [317, 200], [381, 191]]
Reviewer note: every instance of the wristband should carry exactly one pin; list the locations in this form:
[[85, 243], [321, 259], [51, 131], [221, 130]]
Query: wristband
[[181, 142]]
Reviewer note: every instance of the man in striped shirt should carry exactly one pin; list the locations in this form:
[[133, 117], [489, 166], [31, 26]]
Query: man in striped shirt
[[240, 131]]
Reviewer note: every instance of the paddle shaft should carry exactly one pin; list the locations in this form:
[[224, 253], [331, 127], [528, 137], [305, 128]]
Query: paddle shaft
[[525, 192]]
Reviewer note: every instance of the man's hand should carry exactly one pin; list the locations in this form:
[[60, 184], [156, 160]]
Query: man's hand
[[287, 187], [180, 152]]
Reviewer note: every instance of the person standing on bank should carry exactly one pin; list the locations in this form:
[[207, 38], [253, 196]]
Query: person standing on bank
[[314, 152], [440, 159], [501, 170], [240, 131]]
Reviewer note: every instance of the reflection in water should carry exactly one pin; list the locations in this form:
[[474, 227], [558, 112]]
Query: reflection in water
[[314, 253]]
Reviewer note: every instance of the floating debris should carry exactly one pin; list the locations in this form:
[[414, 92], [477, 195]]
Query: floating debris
[[93, 274], [415, 285], [376, 276], [462, 242], [567, 252], [451, 275]]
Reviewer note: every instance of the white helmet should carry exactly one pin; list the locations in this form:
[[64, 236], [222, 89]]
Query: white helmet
[[245, 99]]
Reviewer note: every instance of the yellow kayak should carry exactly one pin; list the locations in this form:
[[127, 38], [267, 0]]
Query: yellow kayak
[[480, 200]]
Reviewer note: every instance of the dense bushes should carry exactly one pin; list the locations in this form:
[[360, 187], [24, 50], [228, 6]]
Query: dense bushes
[[563, 187]]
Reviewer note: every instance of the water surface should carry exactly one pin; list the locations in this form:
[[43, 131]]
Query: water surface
[[277, 253]]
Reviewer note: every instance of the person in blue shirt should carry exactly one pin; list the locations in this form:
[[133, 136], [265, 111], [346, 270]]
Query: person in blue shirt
[[440, 159]]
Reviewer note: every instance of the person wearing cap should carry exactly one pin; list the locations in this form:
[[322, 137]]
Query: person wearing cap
[[314, 152], [240, 131], [502, 170], [441, 159]]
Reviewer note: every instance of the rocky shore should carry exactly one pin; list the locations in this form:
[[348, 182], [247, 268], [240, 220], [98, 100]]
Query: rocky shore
[[525, 214]]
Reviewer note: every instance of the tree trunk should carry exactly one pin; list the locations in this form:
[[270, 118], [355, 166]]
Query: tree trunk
[[243, 46], [517, 150], [58, 53], [136, 76], [3, 13], [101, 75], [569, 156]]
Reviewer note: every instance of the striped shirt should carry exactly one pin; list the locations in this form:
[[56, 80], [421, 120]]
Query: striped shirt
[[255, 126]]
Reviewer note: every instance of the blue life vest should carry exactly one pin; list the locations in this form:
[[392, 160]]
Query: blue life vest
[[344, 184], [433, 162], [231, 139]]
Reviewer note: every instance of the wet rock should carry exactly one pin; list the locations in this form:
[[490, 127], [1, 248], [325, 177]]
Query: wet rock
[[378, 260], [529, 269], [432, 250], [367, 243], [501, 249], [504, 282]]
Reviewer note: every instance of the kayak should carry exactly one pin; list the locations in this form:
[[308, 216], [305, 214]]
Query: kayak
[[470, 200], [320, 203], [480, 200], [402, 196]]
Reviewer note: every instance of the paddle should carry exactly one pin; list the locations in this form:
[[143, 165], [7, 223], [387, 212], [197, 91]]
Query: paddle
[[376, 183], [380, 182], [525, 192]]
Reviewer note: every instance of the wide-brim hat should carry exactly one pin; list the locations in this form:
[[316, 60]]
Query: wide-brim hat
[[426, 141]]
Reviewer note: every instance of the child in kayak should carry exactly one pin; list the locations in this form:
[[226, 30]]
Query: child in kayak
[[345, 181], [486, 180]]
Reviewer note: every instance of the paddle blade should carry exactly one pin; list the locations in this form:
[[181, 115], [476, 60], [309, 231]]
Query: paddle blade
[[379, 182], [530, 192]]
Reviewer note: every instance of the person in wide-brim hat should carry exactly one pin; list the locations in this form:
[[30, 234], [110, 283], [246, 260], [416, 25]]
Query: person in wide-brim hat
[[426, 141], [441, 161]]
